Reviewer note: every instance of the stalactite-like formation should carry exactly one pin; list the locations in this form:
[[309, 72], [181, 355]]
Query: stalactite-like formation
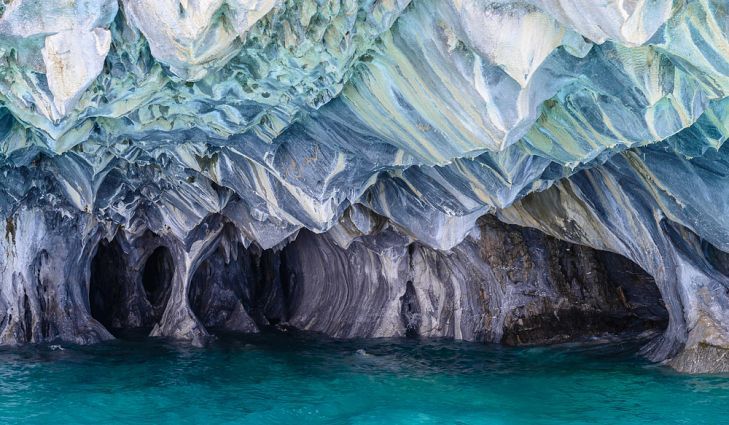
[[191, 167]]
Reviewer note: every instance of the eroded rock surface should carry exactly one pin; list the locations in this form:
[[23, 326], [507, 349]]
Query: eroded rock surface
[[501, 284], [189, 165]]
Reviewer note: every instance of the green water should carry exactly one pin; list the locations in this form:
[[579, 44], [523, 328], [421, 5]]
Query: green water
[[303, 379]]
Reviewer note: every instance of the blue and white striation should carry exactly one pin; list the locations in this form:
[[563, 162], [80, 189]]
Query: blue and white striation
[[328, 164]]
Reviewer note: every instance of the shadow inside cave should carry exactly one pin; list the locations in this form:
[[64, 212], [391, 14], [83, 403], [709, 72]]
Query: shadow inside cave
[[129, 293], [550, 291]]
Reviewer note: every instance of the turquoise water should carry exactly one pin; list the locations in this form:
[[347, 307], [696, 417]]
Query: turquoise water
[[304, 379]]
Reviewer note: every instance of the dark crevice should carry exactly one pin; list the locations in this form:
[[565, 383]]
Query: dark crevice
[[221, 291], [157, 278], [410, 311], [125, 296], [273, 289], [288, 283], [199, 285], [105, 287], [27, 319], [37, 271], [718, 259]]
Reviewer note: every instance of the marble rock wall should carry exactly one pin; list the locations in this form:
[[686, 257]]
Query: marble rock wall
[[187, 165]]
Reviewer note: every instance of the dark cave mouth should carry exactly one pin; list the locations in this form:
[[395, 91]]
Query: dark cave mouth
[[157, 277], [124, 297], [627, 304], [258, 289]]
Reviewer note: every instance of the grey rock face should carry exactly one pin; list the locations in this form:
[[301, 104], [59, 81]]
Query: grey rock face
[[44, 277], [189, 166]]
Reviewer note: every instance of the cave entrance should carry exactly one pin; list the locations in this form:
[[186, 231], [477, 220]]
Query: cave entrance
[[587, 295], [157, 279], [126, 295], [221, 290], [106, 286]]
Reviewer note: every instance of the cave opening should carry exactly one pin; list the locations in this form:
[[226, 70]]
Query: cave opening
[[222, 289], [106, 286], [128, 294], [553, 291], [157, 279], [595, 295], [243, 289], [410, 311]]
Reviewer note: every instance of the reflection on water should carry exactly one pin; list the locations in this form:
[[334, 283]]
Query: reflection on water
[[306, 379]]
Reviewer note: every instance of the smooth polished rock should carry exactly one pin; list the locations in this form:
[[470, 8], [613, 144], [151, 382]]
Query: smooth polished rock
[[373, 135]]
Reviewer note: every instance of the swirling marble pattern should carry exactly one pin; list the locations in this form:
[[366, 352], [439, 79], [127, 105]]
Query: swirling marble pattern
[[233, 132]]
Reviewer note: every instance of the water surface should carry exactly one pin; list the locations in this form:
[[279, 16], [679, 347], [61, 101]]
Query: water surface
[[306, 379]]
